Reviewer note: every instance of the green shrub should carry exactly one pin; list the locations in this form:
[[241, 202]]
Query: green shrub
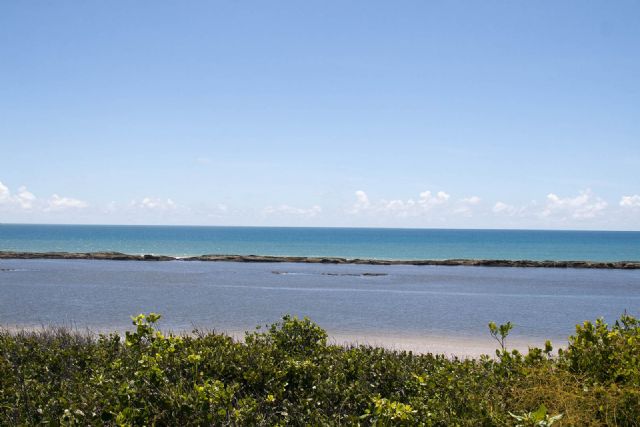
[[289, 375], [606, 354]]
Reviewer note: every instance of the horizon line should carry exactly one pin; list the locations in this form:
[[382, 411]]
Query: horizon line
[[321, 227]]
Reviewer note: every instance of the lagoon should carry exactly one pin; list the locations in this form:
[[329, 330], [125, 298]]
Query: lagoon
[[422, 308]]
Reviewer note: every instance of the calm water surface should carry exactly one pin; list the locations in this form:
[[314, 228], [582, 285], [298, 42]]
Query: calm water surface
[[406, 301]]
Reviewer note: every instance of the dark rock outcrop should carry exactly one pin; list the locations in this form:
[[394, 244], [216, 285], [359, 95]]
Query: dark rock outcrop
[[113, 256], [117, 256]]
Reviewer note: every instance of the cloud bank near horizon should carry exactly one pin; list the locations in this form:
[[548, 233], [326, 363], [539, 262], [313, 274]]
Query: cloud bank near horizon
[[24, 200], [584, 210]]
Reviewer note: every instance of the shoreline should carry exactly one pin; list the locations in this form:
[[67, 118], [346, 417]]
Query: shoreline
[[430, 343], [118, 256]]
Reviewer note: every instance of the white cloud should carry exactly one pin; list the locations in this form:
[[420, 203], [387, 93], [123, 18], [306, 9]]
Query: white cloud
[[581, 210], [151, 203], [427, 200], [630, 201], [465, 206], [584, 206], [291, 210], [362, 202], [57, 203], [402, 208], [473, 200], [4, 192], [203, 160], [504, 208], [23, 199]]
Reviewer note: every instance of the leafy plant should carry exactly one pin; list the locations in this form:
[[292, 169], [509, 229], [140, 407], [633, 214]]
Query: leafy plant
[[500, 333], [287, 374], [537, 418]]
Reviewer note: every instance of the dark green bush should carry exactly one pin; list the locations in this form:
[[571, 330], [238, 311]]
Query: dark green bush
[[289, 375], [606, 354]]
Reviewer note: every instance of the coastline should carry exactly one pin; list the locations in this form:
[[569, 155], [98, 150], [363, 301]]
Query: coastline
[[118, 256], [429, 343]]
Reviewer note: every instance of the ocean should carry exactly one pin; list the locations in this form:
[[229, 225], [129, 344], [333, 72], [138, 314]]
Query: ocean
[[337, 242], [422, 308]]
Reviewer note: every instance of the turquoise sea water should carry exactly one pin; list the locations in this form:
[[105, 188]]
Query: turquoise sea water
[[339, 242]]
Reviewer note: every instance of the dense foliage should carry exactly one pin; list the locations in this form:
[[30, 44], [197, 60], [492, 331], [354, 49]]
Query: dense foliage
[[288, 374]]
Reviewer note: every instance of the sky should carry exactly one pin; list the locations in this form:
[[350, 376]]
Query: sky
[[452, 114]]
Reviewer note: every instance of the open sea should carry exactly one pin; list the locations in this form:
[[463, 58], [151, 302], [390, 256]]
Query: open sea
[[425, 308], [338, 242]]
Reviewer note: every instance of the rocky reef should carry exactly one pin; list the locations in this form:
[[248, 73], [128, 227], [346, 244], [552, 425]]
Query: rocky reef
[[114, 256], [117, 256]]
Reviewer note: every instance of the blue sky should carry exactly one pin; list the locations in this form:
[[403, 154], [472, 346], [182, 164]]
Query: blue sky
[[321, 113]]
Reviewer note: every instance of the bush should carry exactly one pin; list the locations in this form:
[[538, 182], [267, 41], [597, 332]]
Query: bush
[[606, 355], [289, 375]]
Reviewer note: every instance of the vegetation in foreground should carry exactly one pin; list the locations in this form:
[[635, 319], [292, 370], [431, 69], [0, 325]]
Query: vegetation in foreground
[[289, 375]]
